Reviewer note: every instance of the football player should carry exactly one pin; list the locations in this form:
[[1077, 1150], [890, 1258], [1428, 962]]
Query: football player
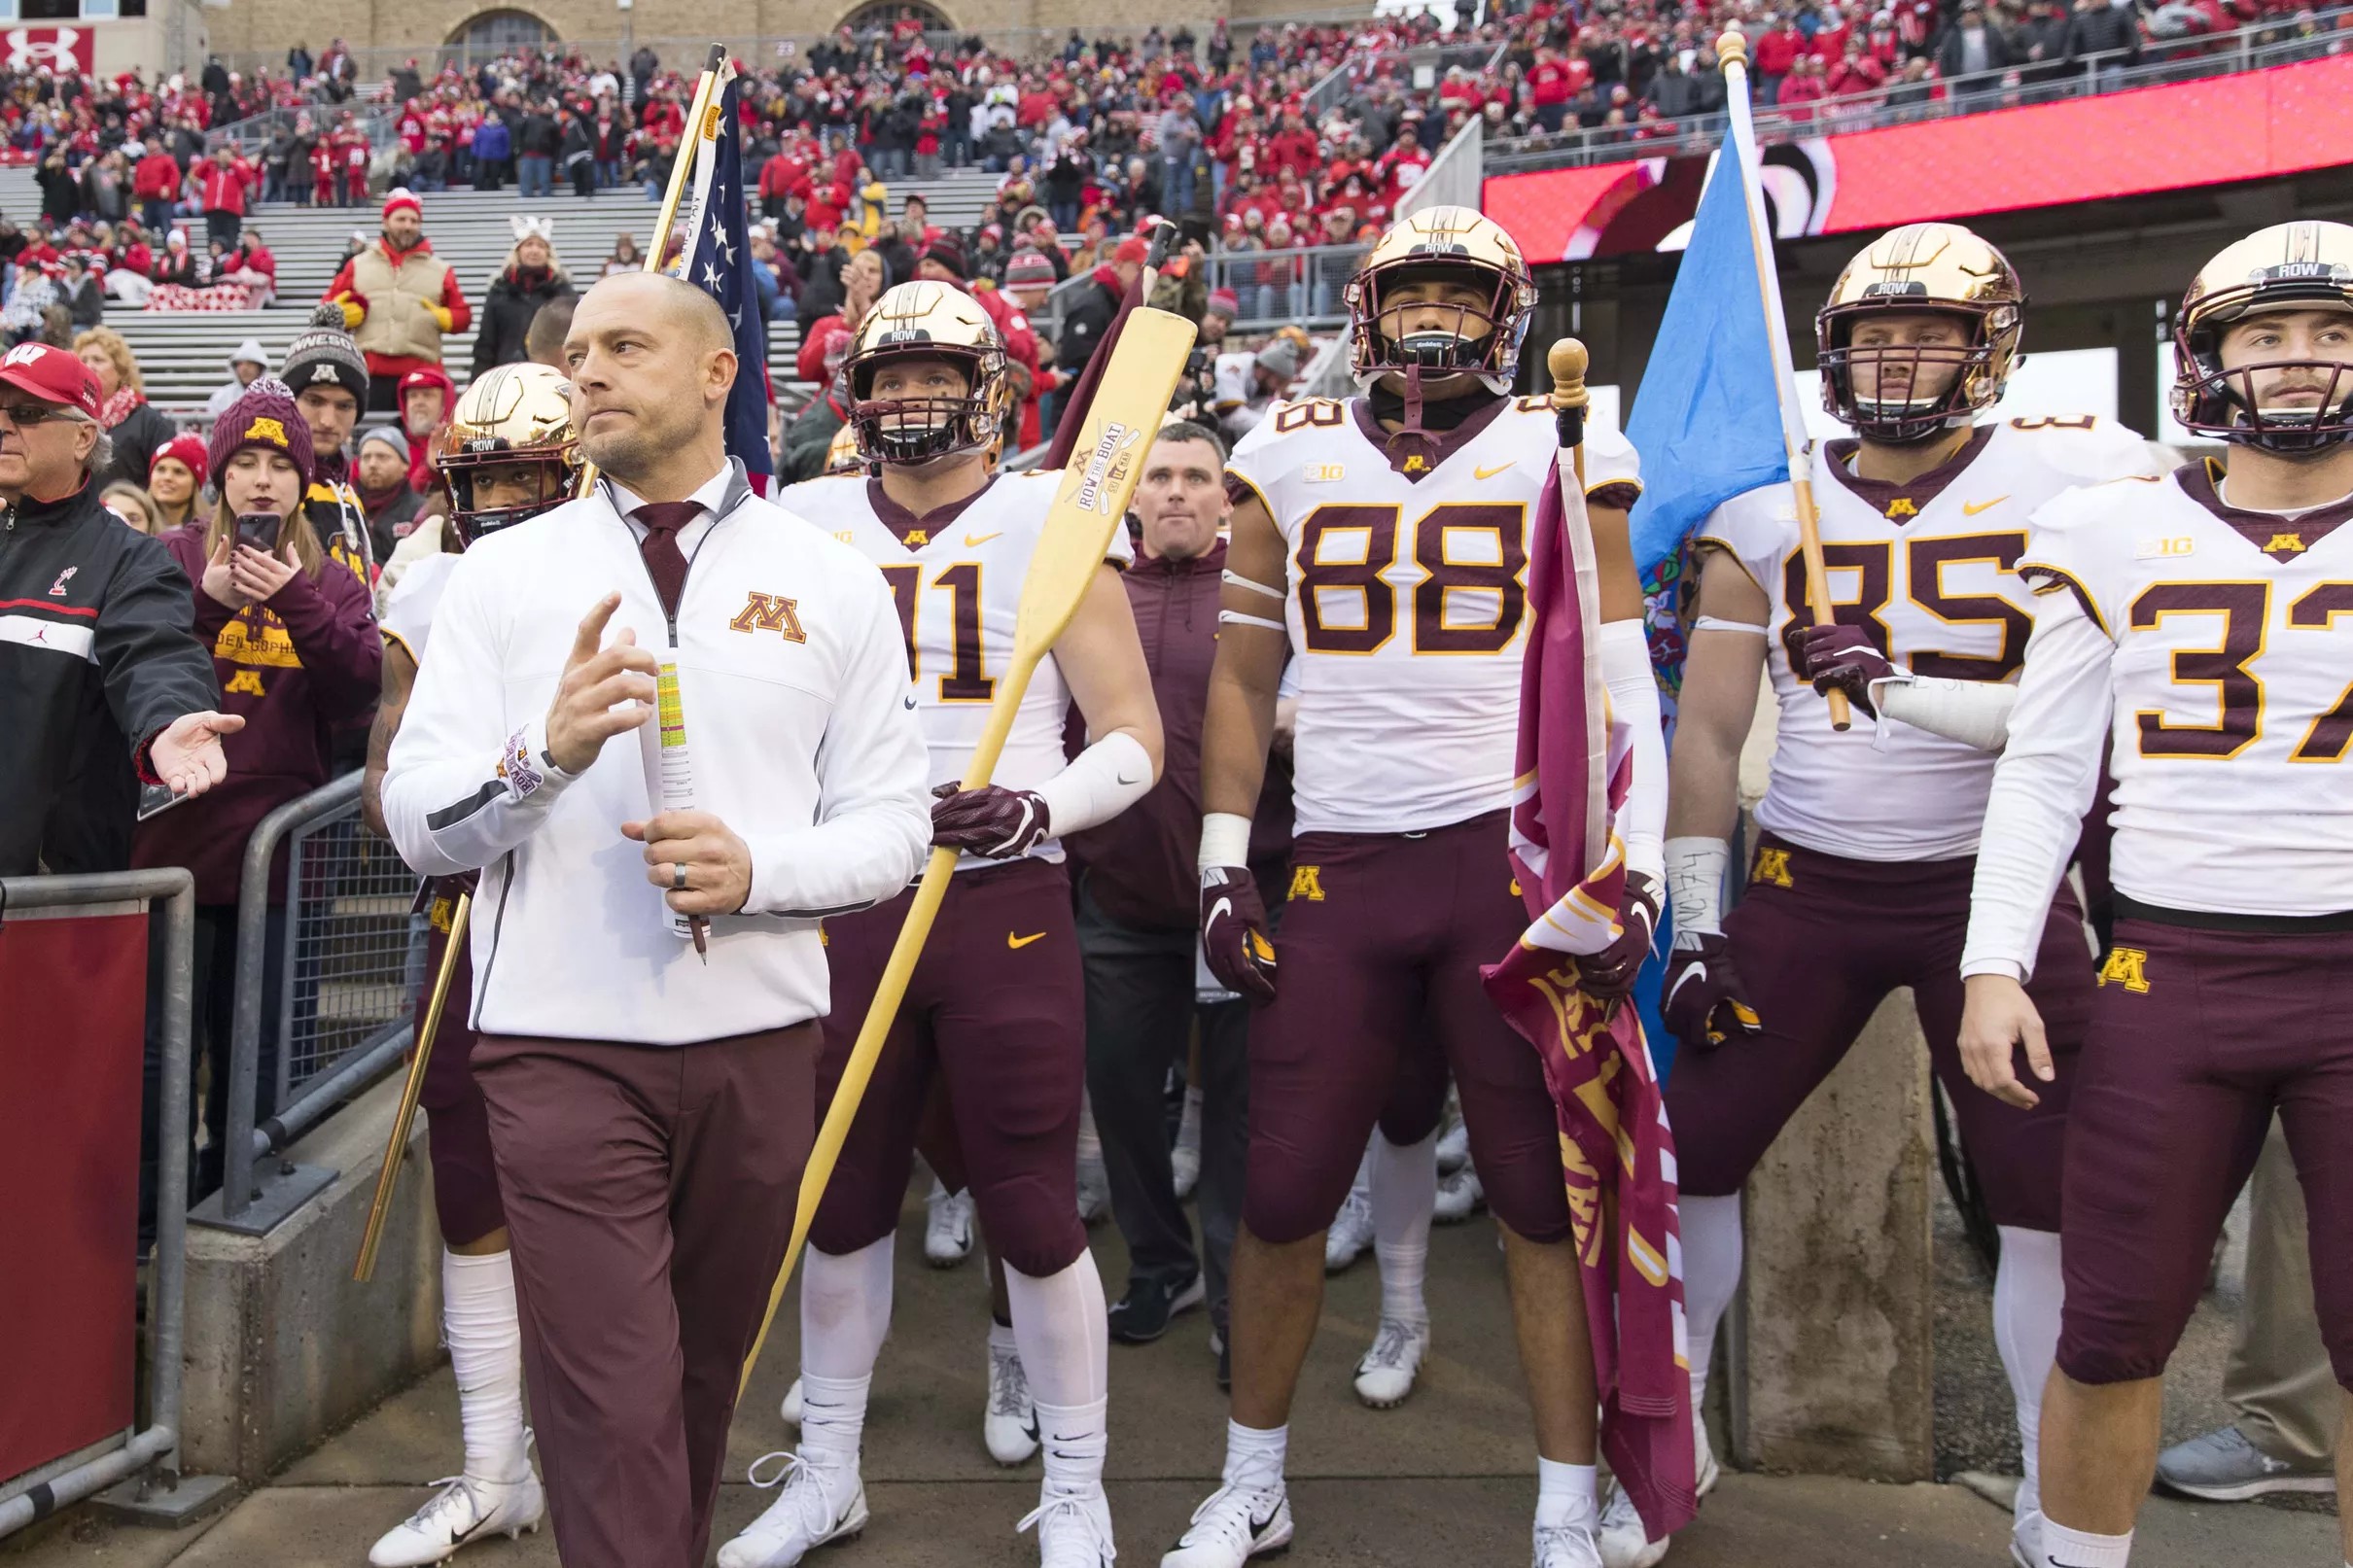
[[1860, 879], [997, 1004], [1381, 543], [2188, 627], [507, 453]]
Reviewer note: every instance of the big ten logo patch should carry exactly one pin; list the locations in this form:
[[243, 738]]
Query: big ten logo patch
[[2128, 967], [1771, 869], [1307, 881]]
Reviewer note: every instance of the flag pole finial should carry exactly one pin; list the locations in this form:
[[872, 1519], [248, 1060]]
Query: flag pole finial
[[1566, 359], [1731, 48]]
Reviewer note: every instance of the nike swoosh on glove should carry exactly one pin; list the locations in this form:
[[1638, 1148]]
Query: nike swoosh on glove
[[1844, 658], [1233, 932], [993, 821], [1610, 973], [1703, 1000]]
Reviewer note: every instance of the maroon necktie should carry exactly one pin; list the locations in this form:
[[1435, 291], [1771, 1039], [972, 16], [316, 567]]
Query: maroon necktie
[[665, 562]]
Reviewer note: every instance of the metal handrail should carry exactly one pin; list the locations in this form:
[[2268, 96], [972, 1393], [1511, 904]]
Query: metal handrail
[[155, 1448], [2209, 54]]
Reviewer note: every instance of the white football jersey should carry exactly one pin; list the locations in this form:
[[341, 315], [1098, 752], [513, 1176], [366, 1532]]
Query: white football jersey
[[1408, 602], [2234, 634], [1929, 570], [957, 575], [408, 612]]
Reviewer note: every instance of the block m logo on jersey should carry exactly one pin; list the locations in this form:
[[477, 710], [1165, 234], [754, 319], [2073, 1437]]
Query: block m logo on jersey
[[1307, 881], [770, 612], [1902, 506], [2128, 967], [1772, 868]]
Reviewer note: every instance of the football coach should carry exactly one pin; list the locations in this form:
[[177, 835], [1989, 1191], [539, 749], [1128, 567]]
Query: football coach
[[650, 1113]]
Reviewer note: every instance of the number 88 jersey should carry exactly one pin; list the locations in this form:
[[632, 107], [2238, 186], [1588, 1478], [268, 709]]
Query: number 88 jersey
[[1928, 571], [1407, 609]]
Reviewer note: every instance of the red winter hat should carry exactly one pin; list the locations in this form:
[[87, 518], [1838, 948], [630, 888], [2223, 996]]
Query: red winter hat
[[1225, 303], [188, 449], [50, 374], [402, 196], [1028, 269], [1133, 249]]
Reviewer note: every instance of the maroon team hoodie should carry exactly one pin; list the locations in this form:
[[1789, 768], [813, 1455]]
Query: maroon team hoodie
[[295, 668]]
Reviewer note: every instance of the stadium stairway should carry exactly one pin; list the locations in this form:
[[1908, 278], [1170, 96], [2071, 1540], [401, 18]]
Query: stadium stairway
[[183, 355]]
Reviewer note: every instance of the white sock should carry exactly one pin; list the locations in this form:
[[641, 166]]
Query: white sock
[[2027, 1290], [1073, 1438], [1001, 1336], [486, 1352], [1254, 1455], [845, 1313], [1404, 1192], [1064, 1330], [1711, 1236], [1362, 1186], [2063, 1547], [1090, 1143], [1564, 1495]]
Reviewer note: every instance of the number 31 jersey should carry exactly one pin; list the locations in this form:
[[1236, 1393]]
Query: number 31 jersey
[[957, 575], [1407, 607], [1928, 571]]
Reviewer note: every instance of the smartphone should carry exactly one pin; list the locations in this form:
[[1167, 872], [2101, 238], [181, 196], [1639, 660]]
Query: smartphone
[[156, 797], [260, 528]]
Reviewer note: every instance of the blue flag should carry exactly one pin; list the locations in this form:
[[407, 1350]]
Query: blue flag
[[717, 260]]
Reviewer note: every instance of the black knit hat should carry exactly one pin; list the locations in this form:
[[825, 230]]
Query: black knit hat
[[325, 352]]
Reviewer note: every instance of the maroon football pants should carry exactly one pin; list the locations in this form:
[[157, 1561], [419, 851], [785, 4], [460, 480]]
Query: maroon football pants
[[1819, 941], [457, 1126]]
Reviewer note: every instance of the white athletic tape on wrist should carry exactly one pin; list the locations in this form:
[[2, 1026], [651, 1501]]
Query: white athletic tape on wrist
[[1237, 579], [1235, 617], [1974, 712], [1096, 784], [1695, 884], [1225, 840]]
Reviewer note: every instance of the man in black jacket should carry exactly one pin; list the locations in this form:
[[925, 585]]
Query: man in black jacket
[[1088, 316], [102, 682], [2100, 29]]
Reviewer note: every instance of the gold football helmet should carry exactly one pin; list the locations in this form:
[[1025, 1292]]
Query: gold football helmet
[[841, 453], [926, 320], [513, 413], [2288, 266], [1455, 243], [1922, 268]]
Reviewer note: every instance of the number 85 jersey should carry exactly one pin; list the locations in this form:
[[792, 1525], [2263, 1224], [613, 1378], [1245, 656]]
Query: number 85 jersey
[[1407, 603], [1928, 571]]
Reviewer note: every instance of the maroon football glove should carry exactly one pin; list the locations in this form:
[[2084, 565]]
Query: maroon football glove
[[1610, 973], [1233, 932], [1702, 999], [994, 823], [1842, 658]]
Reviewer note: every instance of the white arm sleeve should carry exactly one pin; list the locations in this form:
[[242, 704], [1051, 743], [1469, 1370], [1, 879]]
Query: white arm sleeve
[[1633, 700], [1097, 783], [1974, 712], [2042, 787], [1695, 884], [873, 825], [462, 787]]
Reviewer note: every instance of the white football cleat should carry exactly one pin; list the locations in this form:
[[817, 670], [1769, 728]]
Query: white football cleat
[[1184, 1155], [466, 1509], [1233, 1525], [948, 1227], [2027, 1539], [1460, 1197], [1094, 1191], [1350, 1233], [818, 1504], [1385, 1373], [1567, 1546], [1073, 1529], [791, 1406], [1010, 1427], [1624, 1541]]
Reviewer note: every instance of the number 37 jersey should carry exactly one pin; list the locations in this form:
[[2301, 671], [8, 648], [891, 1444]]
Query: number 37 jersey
[[957, 575], [1928, 572], [1407, 603]]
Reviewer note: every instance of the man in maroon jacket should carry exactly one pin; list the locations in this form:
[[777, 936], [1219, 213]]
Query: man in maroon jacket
[[1137, 904]]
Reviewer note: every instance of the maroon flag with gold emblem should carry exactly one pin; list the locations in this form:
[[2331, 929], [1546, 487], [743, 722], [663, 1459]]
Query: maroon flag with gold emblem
[[1617, 1156]]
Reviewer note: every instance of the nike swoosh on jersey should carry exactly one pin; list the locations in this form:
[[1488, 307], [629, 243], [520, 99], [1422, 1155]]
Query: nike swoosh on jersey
[[1489, 474], [1970, 508], [1017, 943], [976, 542]]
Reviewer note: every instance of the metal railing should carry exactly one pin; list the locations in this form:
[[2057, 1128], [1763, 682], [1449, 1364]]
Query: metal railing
[[1455, 177], [1418, 70], [1902, 103], [155, 1449], [337, 994], [1294, 285]]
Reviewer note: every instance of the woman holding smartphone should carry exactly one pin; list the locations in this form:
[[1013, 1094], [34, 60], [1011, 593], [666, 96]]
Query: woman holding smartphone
[[297, 654]]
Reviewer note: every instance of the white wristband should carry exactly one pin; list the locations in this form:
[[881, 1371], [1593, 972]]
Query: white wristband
[[1225, 840], [1695, 884], [1096, 784], [1974, 712]]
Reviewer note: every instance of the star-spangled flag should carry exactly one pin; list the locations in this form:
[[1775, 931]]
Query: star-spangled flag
[[716, 258]]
